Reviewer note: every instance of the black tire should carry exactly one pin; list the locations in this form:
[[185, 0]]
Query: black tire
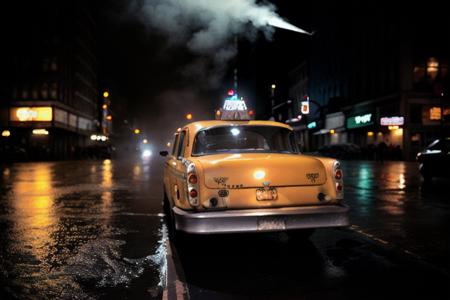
[[426, 175], [300, 234], [176, 237]]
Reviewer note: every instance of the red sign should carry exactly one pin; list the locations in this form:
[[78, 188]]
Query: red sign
[[305, 107]]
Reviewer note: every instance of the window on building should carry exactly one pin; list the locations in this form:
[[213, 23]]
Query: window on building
[[34, 92], [45, 64], [54, 90], [419, 74], [54, 64], [25, 92], [432, 68], [44, 91]]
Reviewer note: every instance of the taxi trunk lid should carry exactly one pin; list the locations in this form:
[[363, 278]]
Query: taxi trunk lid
[[253, 170]]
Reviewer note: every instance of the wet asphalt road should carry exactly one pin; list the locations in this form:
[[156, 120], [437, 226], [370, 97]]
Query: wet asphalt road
[[95, 229]]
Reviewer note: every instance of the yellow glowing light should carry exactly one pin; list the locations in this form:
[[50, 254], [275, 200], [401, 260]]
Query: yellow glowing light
[[189, 116], [105, 94], [25, 114], [393, 127], [35, 190], [370, 133], [6, 133], [179, 129], [259, 174], [218, 113], [398, 132], [435, 113], [107, 162], [109, 118], [40, 131], [137, 131], [332, 131], [273, 86], [432, 67], [145, 141], [380, 133], [169, 144], [105, 106]]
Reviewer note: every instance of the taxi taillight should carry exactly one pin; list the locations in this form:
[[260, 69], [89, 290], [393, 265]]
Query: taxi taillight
[[192, 184], [193, 193], [338, 180], [192, 179]]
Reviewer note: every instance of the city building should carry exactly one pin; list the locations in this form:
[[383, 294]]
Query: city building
[[376, 82], [49, 104]]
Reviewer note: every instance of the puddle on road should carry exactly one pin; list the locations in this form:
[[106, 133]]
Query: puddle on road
[[97, 269], [67, 239]]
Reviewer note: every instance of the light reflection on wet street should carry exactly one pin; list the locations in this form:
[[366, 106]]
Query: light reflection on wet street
[[94, 229], [84, 229], [390, 201]]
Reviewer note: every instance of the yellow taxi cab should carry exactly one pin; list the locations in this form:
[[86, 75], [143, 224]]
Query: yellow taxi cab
[[229, 176]]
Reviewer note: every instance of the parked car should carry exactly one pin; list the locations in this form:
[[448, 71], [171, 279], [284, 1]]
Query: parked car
[[248, 176], [434, 160]]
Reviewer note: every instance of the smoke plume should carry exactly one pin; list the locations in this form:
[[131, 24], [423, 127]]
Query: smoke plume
[[207, 28]]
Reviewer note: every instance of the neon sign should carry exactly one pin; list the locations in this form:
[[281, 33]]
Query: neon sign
[[392, 121], [27, 114], [359, 121], [233, 105]]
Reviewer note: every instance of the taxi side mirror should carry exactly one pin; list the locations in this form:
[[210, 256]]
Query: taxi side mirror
[[163, 153]]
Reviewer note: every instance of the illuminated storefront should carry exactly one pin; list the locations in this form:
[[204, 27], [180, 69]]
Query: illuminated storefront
[[44, 131]]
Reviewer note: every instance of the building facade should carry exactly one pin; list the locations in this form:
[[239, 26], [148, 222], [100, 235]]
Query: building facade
[[378, 78], [49, 91]]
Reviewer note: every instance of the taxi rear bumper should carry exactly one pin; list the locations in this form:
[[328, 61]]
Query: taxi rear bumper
[[261, 219]]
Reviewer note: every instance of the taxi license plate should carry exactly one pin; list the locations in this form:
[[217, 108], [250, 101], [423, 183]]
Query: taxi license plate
[[271, 223], [266, 194]]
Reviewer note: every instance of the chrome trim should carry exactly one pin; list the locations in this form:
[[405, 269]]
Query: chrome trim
[[246, 220]]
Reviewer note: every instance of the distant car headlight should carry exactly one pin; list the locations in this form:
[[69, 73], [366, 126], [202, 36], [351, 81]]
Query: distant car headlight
[[146, 153]]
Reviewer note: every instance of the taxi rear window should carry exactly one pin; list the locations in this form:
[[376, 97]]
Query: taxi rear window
[[241, 139]]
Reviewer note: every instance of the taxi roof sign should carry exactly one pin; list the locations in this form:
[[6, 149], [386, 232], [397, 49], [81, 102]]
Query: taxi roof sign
[[234, 109]]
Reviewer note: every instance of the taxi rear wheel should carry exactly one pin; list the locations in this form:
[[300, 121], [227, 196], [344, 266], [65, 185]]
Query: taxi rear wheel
[[300, 234], [175, 235]]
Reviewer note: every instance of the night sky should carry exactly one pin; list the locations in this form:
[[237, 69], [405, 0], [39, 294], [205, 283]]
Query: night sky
[[140, 64], [157, 81]]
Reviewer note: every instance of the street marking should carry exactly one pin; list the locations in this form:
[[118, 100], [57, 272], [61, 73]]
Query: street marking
[[357, 229], [175, 288]]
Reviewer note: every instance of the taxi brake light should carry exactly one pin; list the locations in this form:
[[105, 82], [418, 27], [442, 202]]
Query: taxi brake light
[[193, 193], [192, 179]]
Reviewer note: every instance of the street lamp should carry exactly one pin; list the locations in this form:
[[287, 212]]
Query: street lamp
[[189, 116], [137, 131], [105, 94]]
